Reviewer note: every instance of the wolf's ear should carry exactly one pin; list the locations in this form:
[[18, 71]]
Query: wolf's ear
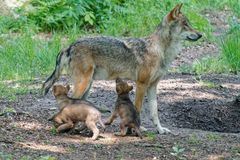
[[174, 14], [68, 87]]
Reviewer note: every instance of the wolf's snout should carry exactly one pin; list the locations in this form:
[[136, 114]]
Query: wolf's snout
[[194, 37], [199, 35]]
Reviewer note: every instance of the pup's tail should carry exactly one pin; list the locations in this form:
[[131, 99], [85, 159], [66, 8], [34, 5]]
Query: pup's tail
[[60, 64]]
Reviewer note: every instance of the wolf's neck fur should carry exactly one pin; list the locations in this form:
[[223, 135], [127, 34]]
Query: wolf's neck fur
[[63, 100], [164, 44]]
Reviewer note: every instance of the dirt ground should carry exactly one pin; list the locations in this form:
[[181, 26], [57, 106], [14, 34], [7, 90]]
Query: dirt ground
[[203, 116]]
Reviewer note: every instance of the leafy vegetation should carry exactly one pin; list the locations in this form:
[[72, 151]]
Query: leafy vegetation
[[178, 152], [65, 14]]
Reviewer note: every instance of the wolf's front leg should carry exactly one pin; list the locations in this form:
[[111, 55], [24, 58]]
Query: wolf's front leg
[[152, 100]]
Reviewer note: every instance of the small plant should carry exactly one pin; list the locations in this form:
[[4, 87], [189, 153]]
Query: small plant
[[53, 131], [72, 148], [6, 156], [47, 158], [8, 110], [19, 138], [213, 137], [178, 152], [193, 139], [236, 150], [119, 156], [25, 158], [151, 136]]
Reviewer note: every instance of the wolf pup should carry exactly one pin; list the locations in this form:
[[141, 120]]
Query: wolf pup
[[73, 111], [125, 109], [143, 60]]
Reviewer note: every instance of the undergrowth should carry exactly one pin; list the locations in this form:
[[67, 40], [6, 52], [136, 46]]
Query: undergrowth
[[229, 59]]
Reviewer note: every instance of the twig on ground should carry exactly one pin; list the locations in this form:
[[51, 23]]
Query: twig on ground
[[148, 145]]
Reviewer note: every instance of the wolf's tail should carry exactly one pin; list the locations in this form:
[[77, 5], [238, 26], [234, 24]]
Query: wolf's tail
[[60, 64]]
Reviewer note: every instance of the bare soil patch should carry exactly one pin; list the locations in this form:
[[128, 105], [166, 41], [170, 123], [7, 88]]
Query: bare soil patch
[[183, 103]]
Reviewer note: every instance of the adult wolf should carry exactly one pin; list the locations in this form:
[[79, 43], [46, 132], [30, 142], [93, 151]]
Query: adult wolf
[[143, 60]]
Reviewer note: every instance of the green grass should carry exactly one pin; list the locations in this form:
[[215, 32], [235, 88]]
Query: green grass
[[27, 56], [210, 64], [229, 59], [230, 50], [234, 6]]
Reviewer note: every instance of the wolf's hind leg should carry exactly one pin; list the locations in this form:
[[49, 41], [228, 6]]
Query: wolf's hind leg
[[82, 81]]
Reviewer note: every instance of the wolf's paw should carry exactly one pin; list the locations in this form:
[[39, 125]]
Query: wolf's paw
[[143, 129], [163, 130]]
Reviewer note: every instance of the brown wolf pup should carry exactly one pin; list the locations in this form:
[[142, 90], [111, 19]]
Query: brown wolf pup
[[125, 109], [143, 60], [74, 111]]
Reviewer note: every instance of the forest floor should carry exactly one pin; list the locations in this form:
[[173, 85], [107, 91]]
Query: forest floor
[[203, 115]]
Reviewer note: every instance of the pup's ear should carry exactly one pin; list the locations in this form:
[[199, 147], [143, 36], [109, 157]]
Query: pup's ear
[[68, 87], [174, 14], [119, 90], [130, 88]]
